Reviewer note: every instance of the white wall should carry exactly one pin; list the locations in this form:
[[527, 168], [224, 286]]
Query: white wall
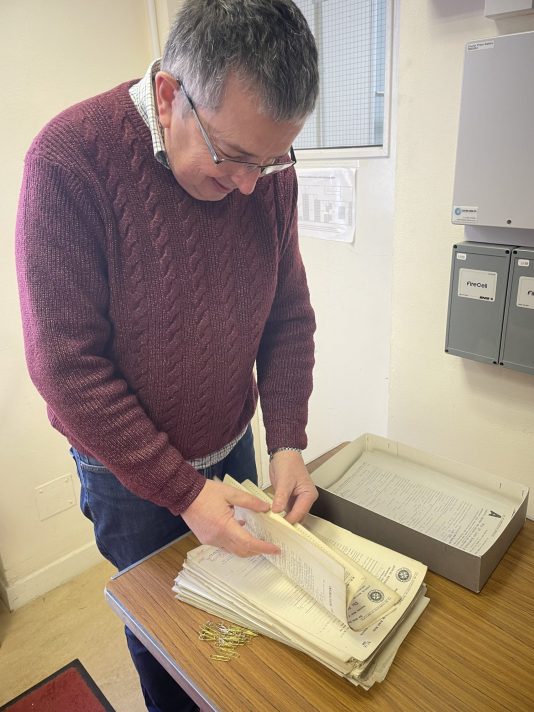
[[52, 54], [480, 414], [350, 288]]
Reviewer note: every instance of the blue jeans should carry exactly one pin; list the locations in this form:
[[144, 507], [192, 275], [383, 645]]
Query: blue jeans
[[128, 528]]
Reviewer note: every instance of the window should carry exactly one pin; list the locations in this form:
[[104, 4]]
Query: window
[[353, 41]]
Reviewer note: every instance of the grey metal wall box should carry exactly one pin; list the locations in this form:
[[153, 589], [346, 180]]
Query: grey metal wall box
[[497, 9], [495, 154], [477, 297], [517, 347]]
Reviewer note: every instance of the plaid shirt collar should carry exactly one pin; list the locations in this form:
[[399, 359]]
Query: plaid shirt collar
[[142, 95]]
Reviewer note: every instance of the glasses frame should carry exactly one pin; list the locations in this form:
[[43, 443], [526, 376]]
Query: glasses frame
[[269, 169]]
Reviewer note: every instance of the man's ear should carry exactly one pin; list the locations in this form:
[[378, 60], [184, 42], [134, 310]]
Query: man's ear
[[166, 87]]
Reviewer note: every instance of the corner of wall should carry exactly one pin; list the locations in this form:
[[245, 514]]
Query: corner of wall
[[25, 590]]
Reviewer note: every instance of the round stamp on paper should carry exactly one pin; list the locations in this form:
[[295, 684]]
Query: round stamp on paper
[[375, 596], [404, 575]]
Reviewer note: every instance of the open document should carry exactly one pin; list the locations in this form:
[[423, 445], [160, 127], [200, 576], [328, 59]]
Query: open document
[[333, 579], [427, 501], [343, 600]]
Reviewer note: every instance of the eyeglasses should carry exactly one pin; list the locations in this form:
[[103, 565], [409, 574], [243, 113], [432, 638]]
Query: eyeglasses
[[218, 159]]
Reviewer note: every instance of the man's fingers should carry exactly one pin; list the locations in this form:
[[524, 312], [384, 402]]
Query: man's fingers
[[211, 518], [280, 499], [242, 543], [244, 499], [301, 506], [258, 546]]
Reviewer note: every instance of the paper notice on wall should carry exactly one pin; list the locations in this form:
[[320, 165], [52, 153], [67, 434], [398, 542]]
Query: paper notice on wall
[[326, 204]]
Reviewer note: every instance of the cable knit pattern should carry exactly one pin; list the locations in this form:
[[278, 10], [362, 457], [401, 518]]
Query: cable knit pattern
[[144, 310]]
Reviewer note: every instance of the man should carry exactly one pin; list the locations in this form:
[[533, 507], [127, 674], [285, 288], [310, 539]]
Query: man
[[158, 261]]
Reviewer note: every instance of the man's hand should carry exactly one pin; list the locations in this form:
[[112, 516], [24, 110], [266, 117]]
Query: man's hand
[[211, 518], [294, 490]]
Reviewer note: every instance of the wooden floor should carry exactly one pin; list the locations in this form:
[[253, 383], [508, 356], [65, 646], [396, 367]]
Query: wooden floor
[[72, 621]]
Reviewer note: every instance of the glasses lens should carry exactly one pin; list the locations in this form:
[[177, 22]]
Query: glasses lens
[[231, 165]]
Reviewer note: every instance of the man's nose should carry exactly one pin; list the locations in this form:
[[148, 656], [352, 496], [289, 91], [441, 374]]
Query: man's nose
[[245, 180]]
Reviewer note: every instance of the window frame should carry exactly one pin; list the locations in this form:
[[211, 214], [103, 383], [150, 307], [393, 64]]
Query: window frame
[[341, 155]]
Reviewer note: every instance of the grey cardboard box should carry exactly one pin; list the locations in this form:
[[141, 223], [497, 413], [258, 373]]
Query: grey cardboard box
[[449, 560]]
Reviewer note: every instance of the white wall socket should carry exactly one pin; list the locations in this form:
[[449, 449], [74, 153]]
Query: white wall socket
[[55, 496]]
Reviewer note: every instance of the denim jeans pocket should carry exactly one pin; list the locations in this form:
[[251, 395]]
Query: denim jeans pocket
[[127, 527], [90, 464], [97, 480]]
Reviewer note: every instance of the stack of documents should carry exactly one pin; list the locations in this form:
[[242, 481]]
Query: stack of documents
[[343, 600]]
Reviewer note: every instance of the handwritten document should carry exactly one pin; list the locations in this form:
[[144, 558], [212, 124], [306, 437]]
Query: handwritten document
[[426, 500], [352, 594], [310, 568]]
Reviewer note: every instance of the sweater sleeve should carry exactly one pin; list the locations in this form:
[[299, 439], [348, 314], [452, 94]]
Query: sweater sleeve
[[286, 355], [61, 269]]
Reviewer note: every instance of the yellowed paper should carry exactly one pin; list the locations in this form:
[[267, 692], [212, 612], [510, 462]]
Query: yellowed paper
[[357, 596]]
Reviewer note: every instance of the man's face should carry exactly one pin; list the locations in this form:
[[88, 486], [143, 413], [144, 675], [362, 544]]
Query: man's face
[[236, 129]]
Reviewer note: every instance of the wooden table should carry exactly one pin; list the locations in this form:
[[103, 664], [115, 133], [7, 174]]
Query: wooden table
[[468, 652]]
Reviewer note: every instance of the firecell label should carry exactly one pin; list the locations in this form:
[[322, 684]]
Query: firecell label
[[525, 293], [483, 44], [465, 214], [461, 256], [523, 263], [477, 284]]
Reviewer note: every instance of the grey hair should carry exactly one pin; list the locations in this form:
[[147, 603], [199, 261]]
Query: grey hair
[[267, 43]]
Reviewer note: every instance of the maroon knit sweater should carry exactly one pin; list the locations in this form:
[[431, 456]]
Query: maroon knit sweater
[[145, 309]]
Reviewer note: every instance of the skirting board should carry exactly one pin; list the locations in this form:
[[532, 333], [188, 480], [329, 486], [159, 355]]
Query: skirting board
[[44, 580]]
